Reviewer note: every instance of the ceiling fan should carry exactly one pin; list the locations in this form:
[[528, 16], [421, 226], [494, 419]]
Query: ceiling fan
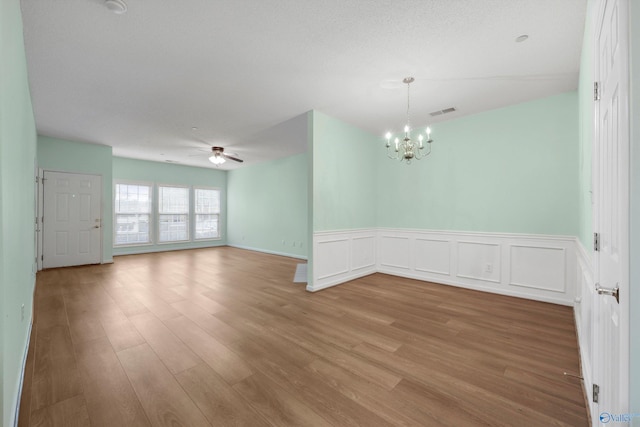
[[219, 156]]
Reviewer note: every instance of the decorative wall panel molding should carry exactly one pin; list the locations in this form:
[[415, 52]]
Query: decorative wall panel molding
[[433, 256], [538, 267], [341, 256], [529, 266], [478, 261]]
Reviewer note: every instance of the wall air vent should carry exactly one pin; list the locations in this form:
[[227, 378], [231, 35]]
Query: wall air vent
[[441, 112]]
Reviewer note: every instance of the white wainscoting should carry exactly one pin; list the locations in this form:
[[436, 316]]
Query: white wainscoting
[[341, 256], [583, 311], [528, 266], [537, 267]]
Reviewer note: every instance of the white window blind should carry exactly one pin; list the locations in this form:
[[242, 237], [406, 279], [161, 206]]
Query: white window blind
[[173, 214], [132, 214], [207, 213]]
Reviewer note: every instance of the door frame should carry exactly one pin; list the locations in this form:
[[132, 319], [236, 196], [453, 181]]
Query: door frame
[[40, 212], [39, 217]]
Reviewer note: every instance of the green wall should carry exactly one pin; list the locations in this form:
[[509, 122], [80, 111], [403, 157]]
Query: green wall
[[17, 207], [513, 169], [344, 175], [586, 128], [66, 156], [166, 173], [268, 206]]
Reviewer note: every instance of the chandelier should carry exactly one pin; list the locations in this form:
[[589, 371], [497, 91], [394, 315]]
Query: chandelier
[[407, 149]]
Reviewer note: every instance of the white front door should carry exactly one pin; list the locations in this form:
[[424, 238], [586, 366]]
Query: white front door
[[611, 214], [72, 229]]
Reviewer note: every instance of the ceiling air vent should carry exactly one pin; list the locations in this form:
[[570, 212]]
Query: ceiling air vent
[[441, 112]]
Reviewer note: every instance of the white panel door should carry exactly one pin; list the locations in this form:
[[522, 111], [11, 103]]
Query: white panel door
[[611, 214], [72, 233]]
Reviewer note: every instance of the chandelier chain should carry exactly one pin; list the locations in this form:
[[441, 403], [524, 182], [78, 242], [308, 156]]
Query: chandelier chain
[[408, 97]]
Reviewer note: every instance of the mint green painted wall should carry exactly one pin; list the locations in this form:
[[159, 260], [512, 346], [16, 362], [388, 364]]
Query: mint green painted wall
[[310, 184], [67, 156], [166, 173], [268, 206], [634, 214], [17, 207], [344, 175], [513, 169], [586, 128]]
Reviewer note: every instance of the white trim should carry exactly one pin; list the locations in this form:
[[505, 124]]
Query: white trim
[[40, 215], [341, 256], [22, 372]]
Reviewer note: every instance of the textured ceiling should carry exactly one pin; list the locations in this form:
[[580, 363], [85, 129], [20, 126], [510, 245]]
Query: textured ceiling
[[243, 71]]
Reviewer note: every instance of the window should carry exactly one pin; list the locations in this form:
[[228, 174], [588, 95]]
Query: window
[[132, 214], [173, 214], [207, 213]]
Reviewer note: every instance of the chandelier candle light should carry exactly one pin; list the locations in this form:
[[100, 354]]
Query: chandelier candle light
[[406, 149]]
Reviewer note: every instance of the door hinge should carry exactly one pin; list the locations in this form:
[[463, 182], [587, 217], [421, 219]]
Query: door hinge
[[596, 242], [596, 91], [41, 257], [37, 180], [596, 393]]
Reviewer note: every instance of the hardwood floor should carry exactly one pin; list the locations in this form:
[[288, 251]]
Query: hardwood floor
[[223, 337]]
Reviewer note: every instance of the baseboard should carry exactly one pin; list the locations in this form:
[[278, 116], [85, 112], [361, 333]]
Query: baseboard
[[22, 372], [336, 282], [266, 251], [165, 247], [488, 289]]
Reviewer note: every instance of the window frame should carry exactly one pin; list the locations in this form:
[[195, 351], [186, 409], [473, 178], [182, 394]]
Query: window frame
[[152, 203], [188, 214], [195, 213]]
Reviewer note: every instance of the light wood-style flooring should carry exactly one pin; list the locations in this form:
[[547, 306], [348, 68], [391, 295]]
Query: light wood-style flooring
[[222, 336]]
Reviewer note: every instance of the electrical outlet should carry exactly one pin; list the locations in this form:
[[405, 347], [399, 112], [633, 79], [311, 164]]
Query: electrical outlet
[[488, 268], [22, 313]]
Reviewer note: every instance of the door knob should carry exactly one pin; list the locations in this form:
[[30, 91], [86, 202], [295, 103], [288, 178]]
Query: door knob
[[615, 292]]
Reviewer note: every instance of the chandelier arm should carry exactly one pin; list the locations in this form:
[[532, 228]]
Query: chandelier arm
[[394, 156]]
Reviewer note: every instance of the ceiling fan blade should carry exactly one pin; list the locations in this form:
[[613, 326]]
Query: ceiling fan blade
[[227, 156]]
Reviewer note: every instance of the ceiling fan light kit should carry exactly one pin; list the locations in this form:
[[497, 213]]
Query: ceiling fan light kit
[[217, 159], [407, 149], [219, 156]]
